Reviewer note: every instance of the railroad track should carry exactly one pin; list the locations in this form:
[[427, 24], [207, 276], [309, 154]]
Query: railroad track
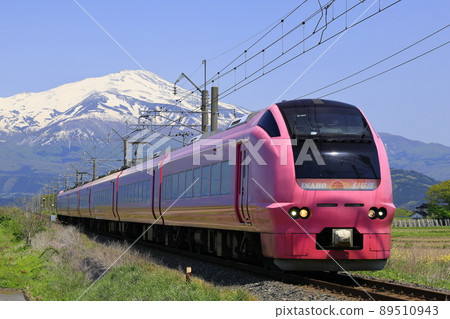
[[356, 287], [372, 289]]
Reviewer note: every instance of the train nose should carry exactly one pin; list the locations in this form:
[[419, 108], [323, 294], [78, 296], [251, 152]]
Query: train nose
[[342, 237]]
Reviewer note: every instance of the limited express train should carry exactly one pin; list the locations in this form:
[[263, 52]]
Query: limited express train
[[300, 185]]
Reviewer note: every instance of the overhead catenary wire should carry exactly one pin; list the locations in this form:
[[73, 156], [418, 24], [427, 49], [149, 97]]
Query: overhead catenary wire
[[376, 63], [388, 70], [272, 27], [243, 83], [221, 74]]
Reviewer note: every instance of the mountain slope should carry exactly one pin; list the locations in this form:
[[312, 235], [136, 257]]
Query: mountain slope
[[431, 159], [410, 187]]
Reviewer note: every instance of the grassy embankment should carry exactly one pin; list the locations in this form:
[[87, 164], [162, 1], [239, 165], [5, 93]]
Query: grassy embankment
[[418, 255], [61, 264]]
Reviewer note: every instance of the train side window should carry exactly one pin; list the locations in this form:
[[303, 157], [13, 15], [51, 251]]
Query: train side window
[[268, 123], [148, 195], [205, 180], [188, 184], [197, 179], [215, 179], [137, 187], [163, 189], [174, 186], [181, 183], [143, 191], [136, 192], [169, 186], [225, 178]]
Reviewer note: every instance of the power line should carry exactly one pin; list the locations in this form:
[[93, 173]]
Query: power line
[[246, 81], [375, 64], [221, 74], [272, 26], [388, 70]]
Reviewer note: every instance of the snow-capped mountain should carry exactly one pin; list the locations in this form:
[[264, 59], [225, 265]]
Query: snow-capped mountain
[[90, 108], [41, 133]]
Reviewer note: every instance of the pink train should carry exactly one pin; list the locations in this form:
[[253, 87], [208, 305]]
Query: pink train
[[301, 185]]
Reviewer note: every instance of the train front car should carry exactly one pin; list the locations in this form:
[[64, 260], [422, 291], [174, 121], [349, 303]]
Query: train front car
[[328, 192]]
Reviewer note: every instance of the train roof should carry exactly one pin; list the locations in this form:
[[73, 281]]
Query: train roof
[[313, 103]]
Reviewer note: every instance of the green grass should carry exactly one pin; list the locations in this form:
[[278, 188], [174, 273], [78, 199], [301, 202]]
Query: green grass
[[418, 255], [132, 282], [402, 213], [18, 267], [416, 233], [54, 268]]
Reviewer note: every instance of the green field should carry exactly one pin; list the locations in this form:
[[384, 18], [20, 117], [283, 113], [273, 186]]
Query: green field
[[62, 264], [419, 255]]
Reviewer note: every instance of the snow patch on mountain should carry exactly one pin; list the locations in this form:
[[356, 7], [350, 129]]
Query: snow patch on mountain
[[86, 109]]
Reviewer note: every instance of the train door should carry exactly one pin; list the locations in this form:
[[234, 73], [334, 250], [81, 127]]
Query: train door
[[152, 194], [241, 185], [89, 201], [114, 201], [157, 193]]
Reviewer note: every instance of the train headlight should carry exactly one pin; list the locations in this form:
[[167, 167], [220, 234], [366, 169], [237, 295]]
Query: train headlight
[[373, 213], [382, 213], [304, 213], [294, 212]]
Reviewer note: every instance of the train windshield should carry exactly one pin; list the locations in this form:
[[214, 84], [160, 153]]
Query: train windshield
[[333, 141]]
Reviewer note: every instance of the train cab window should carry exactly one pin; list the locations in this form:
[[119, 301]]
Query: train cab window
[[225, 175], [268, 123], [205, 180], [215, 179], [338, 137], [197, 182], [189, 185]]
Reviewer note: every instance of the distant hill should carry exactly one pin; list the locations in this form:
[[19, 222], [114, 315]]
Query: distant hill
[[410, 187], [431, 159]]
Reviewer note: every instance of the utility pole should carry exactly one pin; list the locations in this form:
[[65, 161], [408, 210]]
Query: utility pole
[[124, 140], [204, 93], [94, 161], [214, 108], [78, 173], [205, 104]]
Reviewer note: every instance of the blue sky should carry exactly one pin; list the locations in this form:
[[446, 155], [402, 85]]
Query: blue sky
[[48, 43]]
